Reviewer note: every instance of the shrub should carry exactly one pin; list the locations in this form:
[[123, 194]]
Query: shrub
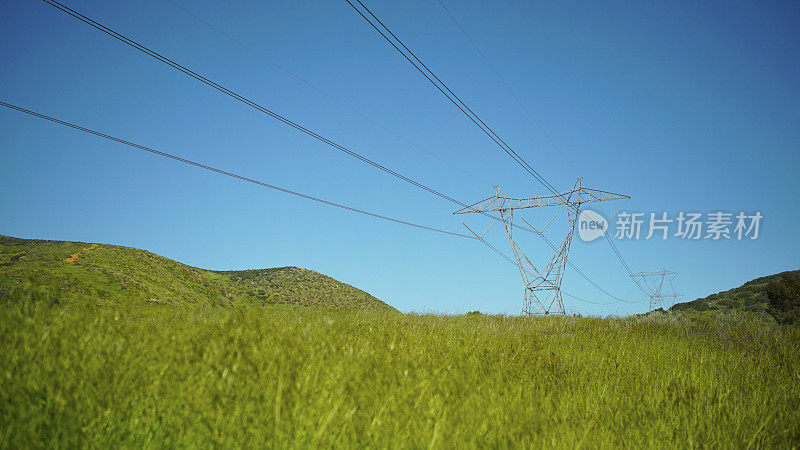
[[784, 298]]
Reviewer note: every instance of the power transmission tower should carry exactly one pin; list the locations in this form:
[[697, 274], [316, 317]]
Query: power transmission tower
[[542, 287], [654, 283]]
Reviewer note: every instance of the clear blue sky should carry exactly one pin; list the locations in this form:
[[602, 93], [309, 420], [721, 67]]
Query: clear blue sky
[[684, 106]]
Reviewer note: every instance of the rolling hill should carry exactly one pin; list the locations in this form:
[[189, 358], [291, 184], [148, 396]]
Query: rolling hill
[[751, 296], [74, 271]]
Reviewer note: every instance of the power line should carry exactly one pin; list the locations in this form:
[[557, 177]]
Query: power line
[[323, 92], [251, 103], [412, 58], [248, 102], [224, 172], [507, 86], [243, 99], [315, 135]]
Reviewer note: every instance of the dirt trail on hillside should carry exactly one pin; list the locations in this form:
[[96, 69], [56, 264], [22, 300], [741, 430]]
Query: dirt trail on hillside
[[74, 256]]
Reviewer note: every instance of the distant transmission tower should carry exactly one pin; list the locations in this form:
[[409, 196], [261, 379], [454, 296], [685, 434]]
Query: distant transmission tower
[[654, 283], [542, 287]]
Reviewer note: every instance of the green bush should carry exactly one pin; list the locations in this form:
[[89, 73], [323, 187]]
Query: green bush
[[784, 298]]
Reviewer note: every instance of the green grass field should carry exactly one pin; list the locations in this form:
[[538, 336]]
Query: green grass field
[[149, 375]]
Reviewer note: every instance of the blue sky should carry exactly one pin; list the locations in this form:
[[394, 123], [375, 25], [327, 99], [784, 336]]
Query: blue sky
[[684, 106]]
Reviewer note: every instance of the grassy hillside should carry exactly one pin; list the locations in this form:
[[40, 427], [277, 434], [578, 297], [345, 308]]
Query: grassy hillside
[[751, 296], [111, 274], [134, 376]]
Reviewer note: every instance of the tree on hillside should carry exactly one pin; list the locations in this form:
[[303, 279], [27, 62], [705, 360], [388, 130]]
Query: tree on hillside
[[784, 298]]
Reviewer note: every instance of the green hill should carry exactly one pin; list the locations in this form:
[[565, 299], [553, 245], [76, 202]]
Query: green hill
[[74, 271], [751, 296]]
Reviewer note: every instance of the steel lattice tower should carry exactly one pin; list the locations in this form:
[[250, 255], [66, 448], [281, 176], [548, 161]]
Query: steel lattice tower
[[542, 287], [654, 283]]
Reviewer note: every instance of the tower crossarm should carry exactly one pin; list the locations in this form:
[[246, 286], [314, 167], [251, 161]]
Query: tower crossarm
[[571, 197], [652, 274], [585, 195]]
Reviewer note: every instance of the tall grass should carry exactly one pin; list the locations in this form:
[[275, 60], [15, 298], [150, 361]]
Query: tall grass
[[165, 376]]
